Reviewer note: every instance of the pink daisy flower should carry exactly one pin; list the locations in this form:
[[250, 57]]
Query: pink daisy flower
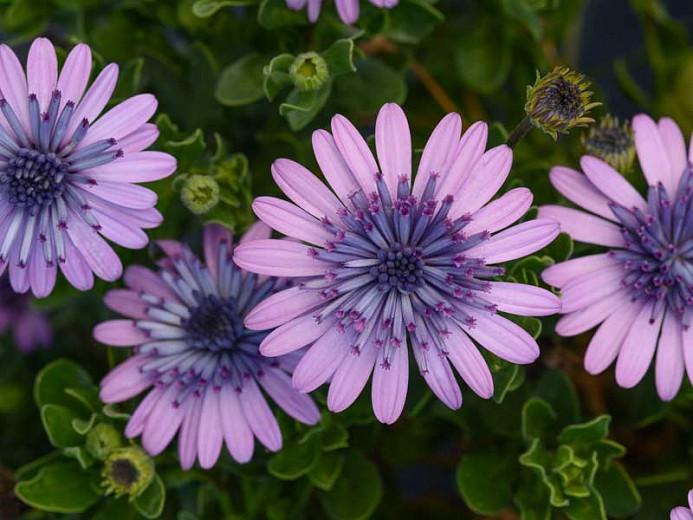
[[348, 10], [639, 292], [684, 513], [200, 364], [67, 175], [386, 264], [30, 327]]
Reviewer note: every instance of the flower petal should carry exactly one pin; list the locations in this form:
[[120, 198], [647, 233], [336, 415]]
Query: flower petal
[[42, 71], [282, 307], [210, 434], [351, 377], [503, 338], [459, 164], [237, 434], [259, 416], [638, 348], [675, 146], [322, 359], [563, 273], [584, 227], [436, 371], [290, 220], [333, 166], [583, 320], [74, 75], [517, 241], [577, 188], [278, 258], [669, 363], [611, 183], [101, 259], [146, 166], [501, 213], [523, 299], [122, 194], [652, 154], [293, 335], [469, 363], [119, 333], [14, 87], [299, 406], [122, 119], [440, 146], [353, 147], [588, 289], [389, 386], [393, 144]]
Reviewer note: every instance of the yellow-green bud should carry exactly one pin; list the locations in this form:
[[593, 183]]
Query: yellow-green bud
[[559, 101], [127, 471], [102, 439], [309, 71], [612, 142], [200, 194]]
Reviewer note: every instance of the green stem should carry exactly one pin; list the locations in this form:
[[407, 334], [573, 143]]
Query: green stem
[[520, 131]]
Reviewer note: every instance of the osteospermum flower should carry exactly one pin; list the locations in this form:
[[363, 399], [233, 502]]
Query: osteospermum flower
[[348, 10], [67, 174], [387, 264], [611, 141], [684, 513], [192, 351], [30, 327], [640, 290]]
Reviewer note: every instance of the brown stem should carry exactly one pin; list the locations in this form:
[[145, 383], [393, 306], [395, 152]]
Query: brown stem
[[434, 88]]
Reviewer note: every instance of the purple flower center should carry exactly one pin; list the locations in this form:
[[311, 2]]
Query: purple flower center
[[33, 178], [658, 257], [399, 268], [214, 324]]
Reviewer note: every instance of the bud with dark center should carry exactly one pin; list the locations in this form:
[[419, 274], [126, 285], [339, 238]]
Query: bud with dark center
[[612, 142], [127, 471]]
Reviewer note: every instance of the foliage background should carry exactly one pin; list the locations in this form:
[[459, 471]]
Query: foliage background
[[473, 56]]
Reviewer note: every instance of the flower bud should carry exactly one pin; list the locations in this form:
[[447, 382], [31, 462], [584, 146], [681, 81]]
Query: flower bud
[[127, 471], [200, 194], [559, 101], [102, 439], [612, 142], [309, 71]]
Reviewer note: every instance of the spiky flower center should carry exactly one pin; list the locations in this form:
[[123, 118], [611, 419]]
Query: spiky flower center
[[33, 178], [658, 257], [214, 324], [561, 99], [611, 141], [400, 268]]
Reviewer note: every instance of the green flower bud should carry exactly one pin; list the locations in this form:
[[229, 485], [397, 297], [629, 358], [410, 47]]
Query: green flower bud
[[127, 471], [612, 142], [559, 101], [200, 194], [309, 71], [102, 439]]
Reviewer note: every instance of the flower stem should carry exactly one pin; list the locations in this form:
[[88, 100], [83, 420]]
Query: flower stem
[[434, 88], [520, 131]]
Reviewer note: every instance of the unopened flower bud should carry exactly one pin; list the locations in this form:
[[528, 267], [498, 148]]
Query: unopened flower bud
[[200, 194], [127, 471], [102, 439], [612, 142], [309, 71]]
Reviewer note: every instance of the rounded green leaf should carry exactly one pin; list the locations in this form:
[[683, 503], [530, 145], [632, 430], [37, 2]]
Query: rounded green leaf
[[293, 461], [485, 481], [52, 381], [621, 497], [150, 503], [356, 493], [58, 423], [241, 83]]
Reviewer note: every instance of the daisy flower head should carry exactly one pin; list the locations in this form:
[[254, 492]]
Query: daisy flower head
[[30, 327], [385, 264], [684, 513], [199, 364], [68, 174], [639, 291], [348, 10]]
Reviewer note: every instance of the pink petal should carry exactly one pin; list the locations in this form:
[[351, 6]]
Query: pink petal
[[14, 87], [142, 279], [611, 183], [469, 363], [122, 194], [503, 338], [257, 231], [638, 348], [135, 167], [517, 241], [313, 9], [140, 139], [210, 434], [293, 335], [125, 381], [524, 300], [75, 268], [459, 164], [214, 236], [440, 147], [237, 434], [259, 416], [486, 178], [584, 227], [322, 359], [333, 166], [126, 302], [119, 333], [351, 377], [688, 352], [187, 440], [577, 188], [163, 423], [348, 10], [353, 148], [607, 341], [122, 119], [393, 144], [74, 75], [279, 258], [583, 320], [436, 371], [669, 364], [299, 406], [305, 190], [119, 231], [389, 386], [282, 307], [138, 419], [42, 71], [675, 146], [563, 273], [290, 220], [653, 156], [95, 251], [590, 288], [41, 276], [681, 513], [501, 213]]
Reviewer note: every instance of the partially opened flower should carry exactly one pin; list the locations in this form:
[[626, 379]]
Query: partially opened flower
[[684, 513], [30, 327], [200, 364], [640, 290], [348, 9], [386, 264], [67, 174]]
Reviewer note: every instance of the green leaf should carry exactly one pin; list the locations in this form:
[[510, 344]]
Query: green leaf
[[412, 21], [590, 508], [274, 14], [276, 74], [485, 480], [555, 387], [241, 83], [301, 107], [539, 460], [89, 397], [561, 248], [356, 493], [621, 497], [150, 503], [206, 8], [293, 461], [340, 57], [372, 85], [484, 56], [57, 421], [538, 419], [506, 378], [80, 454], [586, 433], [52, 381], [82, 426], [521, 11], [532, 497], [326, 470], [334, 437], [186, 150], [61, 487]]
